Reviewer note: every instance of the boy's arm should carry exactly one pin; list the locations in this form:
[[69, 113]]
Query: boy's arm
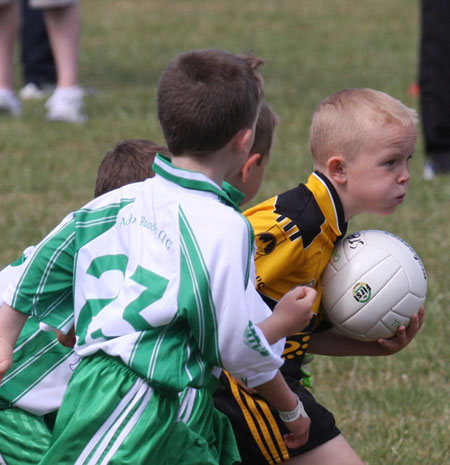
[[67, 340], [333, 343], [11, 323], [290, 315], [279, 395]]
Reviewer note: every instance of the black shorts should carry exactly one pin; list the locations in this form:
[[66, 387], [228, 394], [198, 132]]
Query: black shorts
[[258, 428]]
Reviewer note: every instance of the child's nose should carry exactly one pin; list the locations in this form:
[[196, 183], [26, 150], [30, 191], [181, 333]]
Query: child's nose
[[404, 176]]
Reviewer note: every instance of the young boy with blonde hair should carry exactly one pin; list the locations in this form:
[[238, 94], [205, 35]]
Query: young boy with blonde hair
[[161, 277], [361, 141], [34, 387]]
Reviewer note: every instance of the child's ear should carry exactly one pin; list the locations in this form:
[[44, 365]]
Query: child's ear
[[243, 140], [337, 169], [247, 166]]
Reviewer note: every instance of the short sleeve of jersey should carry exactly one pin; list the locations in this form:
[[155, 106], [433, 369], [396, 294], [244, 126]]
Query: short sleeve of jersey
[[276, 273], [243, 349], [9, 277], [41, 366], [44, 288]]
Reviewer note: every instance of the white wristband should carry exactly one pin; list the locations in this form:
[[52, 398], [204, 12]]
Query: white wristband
[[299, 411]]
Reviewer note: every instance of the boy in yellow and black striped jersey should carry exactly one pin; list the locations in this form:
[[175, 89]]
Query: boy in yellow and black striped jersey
[[361, 141]]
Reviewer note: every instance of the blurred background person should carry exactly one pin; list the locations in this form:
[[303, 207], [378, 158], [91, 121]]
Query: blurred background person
[[38, 65], [63, 23], [434, 85]]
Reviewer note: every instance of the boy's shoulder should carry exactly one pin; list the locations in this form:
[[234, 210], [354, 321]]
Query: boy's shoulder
[[111, 202], [291, 203], [217, 214], [300, 211]]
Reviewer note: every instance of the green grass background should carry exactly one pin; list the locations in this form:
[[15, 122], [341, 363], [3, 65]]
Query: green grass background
[[393, 410]]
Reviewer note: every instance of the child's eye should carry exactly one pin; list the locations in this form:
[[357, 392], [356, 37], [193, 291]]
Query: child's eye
[[390, 162]]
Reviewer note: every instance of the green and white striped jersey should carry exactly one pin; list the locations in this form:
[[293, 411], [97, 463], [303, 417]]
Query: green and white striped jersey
[[41, 366], [161, 275]]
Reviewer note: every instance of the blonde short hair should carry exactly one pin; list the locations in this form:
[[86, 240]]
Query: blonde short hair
[[344, 121]]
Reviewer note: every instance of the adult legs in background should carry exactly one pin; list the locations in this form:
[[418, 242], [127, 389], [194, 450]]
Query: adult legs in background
[[9, 29], [434, 82], [39, 71], [64, 29]]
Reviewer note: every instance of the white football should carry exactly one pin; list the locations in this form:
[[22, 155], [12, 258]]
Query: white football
[[373, 283]]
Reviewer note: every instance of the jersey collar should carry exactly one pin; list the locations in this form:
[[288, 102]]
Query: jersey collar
[[235, 194], [339, 222], [193, 180]]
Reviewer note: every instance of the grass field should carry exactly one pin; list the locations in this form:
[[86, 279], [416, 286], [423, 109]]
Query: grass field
[[392, 410]]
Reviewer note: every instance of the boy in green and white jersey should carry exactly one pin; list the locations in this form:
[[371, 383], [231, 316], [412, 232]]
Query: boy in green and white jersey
[[33, 388], [42, 367], [163, 292]]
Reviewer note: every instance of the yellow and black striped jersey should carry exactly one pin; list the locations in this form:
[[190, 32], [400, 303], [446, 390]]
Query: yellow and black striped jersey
[[295, 235]]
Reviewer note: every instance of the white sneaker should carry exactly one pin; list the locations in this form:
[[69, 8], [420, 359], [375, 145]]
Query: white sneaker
[[428, 171], [66, 104], [9, 103], [32, 91]]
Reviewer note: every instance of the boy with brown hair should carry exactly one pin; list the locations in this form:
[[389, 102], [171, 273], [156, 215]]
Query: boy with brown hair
[[33, 390], [249, 178], [161, 277], [129, 161], [361, 141]]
